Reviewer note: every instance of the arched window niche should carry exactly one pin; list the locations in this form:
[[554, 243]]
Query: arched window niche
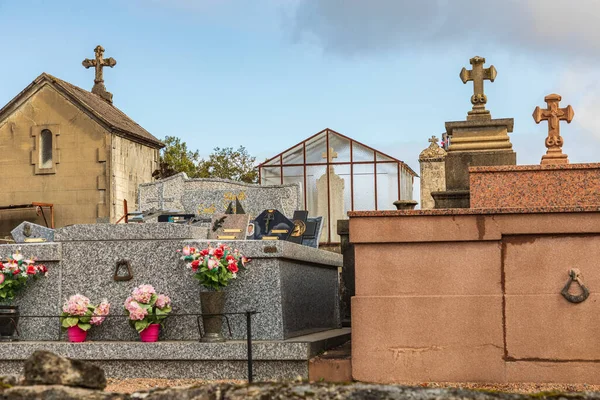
[[45, 154], [46, 149]]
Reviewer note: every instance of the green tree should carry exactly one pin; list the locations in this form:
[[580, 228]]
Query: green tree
[[227, 163], [175, 158]]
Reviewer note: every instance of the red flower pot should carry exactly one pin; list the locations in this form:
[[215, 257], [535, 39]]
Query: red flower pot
[[150, 334], [76, 334]]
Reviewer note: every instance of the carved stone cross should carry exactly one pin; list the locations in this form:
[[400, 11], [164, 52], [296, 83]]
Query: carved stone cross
[[99, 63], [433, 140], [330, 156], [553, 114], [478, 74]]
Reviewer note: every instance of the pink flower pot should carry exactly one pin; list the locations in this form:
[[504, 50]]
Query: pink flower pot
[[150, 334], [76, 334]]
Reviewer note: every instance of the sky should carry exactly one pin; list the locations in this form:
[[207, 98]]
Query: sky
[[266, 74]]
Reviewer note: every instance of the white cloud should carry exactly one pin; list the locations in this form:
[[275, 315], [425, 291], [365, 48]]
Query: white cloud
[[558, 27]]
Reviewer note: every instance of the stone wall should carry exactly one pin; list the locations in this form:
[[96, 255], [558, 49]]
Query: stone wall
[[128, 175]]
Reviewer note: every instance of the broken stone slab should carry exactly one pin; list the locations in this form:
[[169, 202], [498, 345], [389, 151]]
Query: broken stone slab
[[46, 368]]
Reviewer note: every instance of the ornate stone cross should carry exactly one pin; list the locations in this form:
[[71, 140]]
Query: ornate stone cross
[[433, 140], [330, 156], [553, 114], [478, 74], [99, 63]]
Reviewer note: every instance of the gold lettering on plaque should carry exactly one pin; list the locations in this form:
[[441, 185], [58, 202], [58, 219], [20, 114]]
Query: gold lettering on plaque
[[225, 237], [232, 230], [270, 238], [279, 231]]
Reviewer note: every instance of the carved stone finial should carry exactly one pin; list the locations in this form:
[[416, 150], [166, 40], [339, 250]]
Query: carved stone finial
[[433, 151], [99, 63], [478, 74], [553, 114]]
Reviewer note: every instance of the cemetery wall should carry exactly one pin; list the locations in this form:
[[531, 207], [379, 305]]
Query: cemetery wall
[[127, 176], [75, 187], [475, 295]]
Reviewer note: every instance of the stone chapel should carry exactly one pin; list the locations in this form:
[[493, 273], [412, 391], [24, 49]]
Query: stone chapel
[[71, 148]]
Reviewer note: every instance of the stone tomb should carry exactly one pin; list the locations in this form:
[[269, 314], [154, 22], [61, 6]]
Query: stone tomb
[[205, 197], [294, 288], [491, 293]]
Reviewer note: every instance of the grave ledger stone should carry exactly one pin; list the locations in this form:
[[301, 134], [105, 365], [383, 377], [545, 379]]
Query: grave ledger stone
[[228, 226], [477, 141]]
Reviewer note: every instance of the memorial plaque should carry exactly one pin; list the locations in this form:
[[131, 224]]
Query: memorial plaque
[[311, 236], [27, 232], [228, 226], [272, 225], [299, 219]]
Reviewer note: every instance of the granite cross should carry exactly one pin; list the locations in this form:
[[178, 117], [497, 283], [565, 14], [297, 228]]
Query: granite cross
[[478, 74], [99, 63], [433, 140], [553, 114]]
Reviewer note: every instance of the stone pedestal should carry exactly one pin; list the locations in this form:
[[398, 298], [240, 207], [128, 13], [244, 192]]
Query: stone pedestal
[[433, 173], [476, 142]]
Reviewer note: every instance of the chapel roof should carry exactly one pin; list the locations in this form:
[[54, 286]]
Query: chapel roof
[[107, 114]]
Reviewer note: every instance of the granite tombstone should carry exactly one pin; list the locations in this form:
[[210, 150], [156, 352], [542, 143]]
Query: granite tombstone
[[27, 232], [228, 226], [272, 225]]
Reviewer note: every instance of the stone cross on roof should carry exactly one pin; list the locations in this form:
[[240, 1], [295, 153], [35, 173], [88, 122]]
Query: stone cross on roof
[[553, 114], [478, 74], [331, 154], [99, 63], [433, 140]]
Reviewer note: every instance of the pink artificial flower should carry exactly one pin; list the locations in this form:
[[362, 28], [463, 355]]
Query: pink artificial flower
[[143, 293], [101, 311], [245, 261], [1, 278], [137, 313], [186, 251], [212, 263], [162, 301], [76, 305], [128, 302]]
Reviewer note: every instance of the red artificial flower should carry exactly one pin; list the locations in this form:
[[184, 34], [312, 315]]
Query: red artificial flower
[[219, 252], [195, 265], [233, 268], [192, 249], [16, 272], [43, 268], [31, 270], [230, 258], [1, 266], [204, 253]]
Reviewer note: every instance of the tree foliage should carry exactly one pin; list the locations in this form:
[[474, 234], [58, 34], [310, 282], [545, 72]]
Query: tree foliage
[[175, 158], [224, 163], [227, 163]]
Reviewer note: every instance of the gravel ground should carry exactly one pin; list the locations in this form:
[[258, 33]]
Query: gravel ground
[[134, 385]]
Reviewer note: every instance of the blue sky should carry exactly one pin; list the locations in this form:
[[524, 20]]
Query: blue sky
[[267, 74]]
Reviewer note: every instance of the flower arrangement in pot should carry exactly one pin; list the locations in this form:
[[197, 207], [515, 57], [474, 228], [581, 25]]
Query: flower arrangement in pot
[[14, 275], [214, 268], [79, 315], [147, 311]]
